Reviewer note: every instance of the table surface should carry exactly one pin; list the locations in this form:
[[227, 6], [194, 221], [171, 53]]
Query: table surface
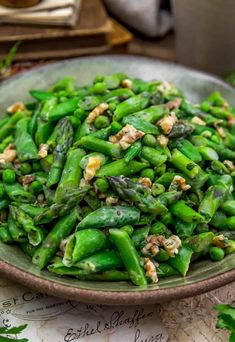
[[188, 320]]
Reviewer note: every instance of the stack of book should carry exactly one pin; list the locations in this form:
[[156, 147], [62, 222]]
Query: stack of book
[[93, 31]]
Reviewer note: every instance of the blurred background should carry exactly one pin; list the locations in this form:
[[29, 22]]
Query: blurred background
[[198, 34]]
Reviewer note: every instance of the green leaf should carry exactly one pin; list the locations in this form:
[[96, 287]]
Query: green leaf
[[226, 317], [8, 339], [13, 330]]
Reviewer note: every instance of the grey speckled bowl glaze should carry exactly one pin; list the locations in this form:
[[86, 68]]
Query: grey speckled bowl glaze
[[204, 275]]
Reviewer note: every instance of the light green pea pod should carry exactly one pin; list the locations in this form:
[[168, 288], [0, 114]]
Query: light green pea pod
[[82, 244]]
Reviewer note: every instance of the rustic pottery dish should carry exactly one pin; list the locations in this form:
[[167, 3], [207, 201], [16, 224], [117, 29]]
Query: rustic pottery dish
[[203, 276]]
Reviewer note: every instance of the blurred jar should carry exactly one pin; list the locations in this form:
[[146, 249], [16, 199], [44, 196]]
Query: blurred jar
[[19, 3], [205, 34]]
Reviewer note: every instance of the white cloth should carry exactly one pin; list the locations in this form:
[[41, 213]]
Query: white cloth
[[146, 16], [48, 12]]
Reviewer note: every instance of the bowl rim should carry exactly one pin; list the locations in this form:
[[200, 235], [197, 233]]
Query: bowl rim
[[114, 297], [50, 287]]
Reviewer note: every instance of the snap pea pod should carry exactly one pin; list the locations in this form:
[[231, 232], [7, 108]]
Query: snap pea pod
[[153, 156], [116, 216], [184, 164], [50, 244], [99, 145], [139, 235], [118, 94], [7, 128], [101, 261], [165, 270], [151, 114], [25, 146], [131, 105], [15, 231], [200, 243], [129, 256], [33, 124], [5, 235], [59, 111], [188, 149], [16, 192], [229, 207], [83, 244], [185, 213], [6, 142], [141, 124], [121, 167], [41, 95], [182, 260], [35, 234]]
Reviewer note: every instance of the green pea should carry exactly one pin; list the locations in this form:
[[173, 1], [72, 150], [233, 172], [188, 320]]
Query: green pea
[[149, 173], [25, 168], [101, 122], [149, 140], [157, 189], [205, 106], [112, 106], [80, 113], [98, 78], [99, 88], [35, 187], [102, 184], [115, 128], [8, 176], [216, 253]]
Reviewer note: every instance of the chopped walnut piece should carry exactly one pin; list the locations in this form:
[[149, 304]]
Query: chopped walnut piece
[[145, 181], [43, 151], [219, 241], [219, 129], [172, 244], [126, 136], [198, 121], [92, 166], [229, 164], [174, 103], [63, 245], [163, 140], [41, 199], [16, 107], [111, 200], [126, 83], [27, 179], [179, 183], [9, 154], [151, 271], [98, 110], [153, 242], [167, 122]]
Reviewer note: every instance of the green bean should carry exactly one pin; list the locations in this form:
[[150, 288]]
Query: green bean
[[129, 256], [117, 216], [50, 244]]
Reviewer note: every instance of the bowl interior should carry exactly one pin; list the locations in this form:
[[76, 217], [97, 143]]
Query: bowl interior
[[194, 84]]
